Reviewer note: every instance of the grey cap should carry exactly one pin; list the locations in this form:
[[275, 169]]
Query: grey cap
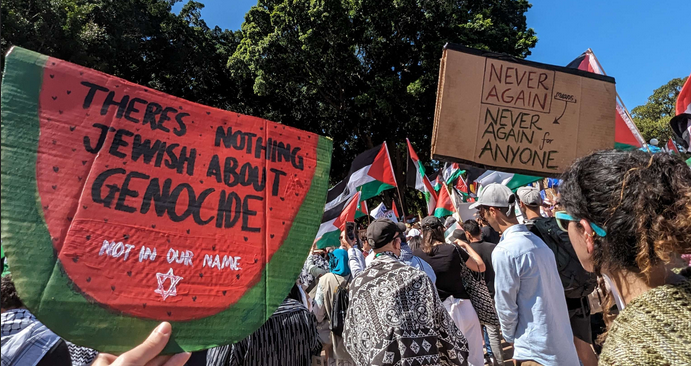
[[496, 195], [530, 196]]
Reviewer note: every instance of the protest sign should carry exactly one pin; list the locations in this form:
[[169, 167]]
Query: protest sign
[[501, 113], [124, 207], [381, 212]]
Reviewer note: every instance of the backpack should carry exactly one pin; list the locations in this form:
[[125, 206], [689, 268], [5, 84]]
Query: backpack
[[577, 281], [340, 308]]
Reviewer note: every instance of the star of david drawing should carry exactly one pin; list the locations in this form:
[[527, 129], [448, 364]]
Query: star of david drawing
[[171, 291]]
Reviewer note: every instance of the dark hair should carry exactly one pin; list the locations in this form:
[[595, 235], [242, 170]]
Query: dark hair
[[431, 234], [415, 242], [10, 298], [472, 227], [295, 293], [642, 201]]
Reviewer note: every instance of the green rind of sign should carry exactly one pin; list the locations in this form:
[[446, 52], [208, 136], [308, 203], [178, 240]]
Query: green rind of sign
[[50, 294]]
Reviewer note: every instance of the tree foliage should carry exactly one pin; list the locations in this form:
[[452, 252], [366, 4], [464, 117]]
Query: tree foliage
[[652, 118], [359, 71]]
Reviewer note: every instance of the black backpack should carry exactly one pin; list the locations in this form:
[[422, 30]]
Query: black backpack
[[340, 308], [577, 281]]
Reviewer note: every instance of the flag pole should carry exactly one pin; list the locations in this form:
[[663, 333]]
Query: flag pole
[[400, 200], [626, 110]]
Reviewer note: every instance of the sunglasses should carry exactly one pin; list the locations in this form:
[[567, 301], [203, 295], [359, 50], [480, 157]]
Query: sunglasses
[[563, 222]]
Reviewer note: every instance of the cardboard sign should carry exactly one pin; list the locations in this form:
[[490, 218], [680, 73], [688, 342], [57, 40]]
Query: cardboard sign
[[496, 112], [124, 207]]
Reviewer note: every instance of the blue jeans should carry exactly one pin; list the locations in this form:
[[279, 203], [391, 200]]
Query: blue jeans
[[487, 344]]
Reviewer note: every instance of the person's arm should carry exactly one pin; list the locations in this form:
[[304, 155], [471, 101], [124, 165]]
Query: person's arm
[[356, 261], [474, 262], [507, 283]]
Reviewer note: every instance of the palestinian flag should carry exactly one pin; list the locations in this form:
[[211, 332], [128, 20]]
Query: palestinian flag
[[329, 233], [362, 210], [436, 180], [451, 172], [444, 204], [395, 209], [671, 147], [681, 123], [626, 135], [416, 178], [370, 174], [511, 180]]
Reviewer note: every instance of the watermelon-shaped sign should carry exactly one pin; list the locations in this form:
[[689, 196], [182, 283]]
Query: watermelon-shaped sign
[[123, 207]]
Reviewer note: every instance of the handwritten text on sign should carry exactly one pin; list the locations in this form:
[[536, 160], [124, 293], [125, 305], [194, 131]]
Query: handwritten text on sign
[[514, 105]]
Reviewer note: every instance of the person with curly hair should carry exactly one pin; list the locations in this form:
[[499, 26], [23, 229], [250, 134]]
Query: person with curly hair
[[628, 215]]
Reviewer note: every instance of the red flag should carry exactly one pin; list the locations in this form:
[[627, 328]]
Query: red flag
[[395, 209], [461, 185], [671, 146], [681, 123], [348, 213]]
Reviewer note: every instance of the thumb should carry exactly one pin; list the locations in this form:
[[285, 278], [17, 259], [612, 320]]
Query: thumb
[[150, 348]]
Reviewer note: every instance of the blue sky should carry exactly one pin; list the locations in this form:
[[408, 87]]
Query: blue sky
[[638, 42]]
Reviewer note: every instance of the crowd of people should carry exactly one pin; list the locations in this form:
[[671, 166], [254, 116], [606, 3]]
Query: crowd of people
[[596, 277]]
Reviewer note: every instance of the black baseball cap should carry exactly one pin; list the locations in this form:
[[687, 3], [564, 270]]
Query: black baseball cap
[[431, 222], [381, 232]]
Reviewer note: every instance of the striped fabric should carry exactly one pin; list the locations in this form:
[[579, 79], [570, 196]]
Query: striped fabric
[[289, 337]]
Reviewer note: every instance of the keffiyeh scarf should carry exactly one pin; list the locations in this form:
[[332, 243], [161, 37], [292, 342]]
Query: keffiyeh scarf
[[395, 317]]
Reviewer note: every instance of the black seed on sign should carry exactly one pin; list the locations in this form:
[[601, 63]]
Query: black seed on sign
[[88, 237], [106, 165], [153, 226], [211, 127], [84, 206], [272, 236], [309, 137], [88, 279], [73, 149], [169, 313], [111, 129], [53, 63], [246, 238], [51, 75], [124, 163], [129, 273], [79, 178], [309, 167], [275, 126], [54, 187], [201, 274], [194, 298], [208, 113], [54, 97], [81, 73], [168, 240], [146, 91], [112, 288], [284, 127], [137, 129], [55, 169], [75, 259], [298, 137], [271, 208], [261, 128], [283, 222], [180, 107], [200, 135], [225, 123], [296, 194], [87, 113], [59, 111], [69, 218], [105, 220], [54, 142], [84, 162], [192, 121], [282, 199], [237, 276], [188, 231], [69, 92], [224, 292], [45, 207], [125, 236], [144, 305], [117, 86], [256, 260], [201, 181], [213, 247]]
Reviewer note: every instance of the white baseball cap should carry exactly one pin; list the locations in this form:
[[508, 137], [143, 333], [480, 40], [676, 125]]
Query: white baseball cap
[[496, 195]]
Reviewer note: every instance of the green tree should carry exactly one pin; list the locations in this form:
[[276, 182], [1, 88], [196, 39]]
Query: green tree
[[142, 41], [365, 71], [652, 118]]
